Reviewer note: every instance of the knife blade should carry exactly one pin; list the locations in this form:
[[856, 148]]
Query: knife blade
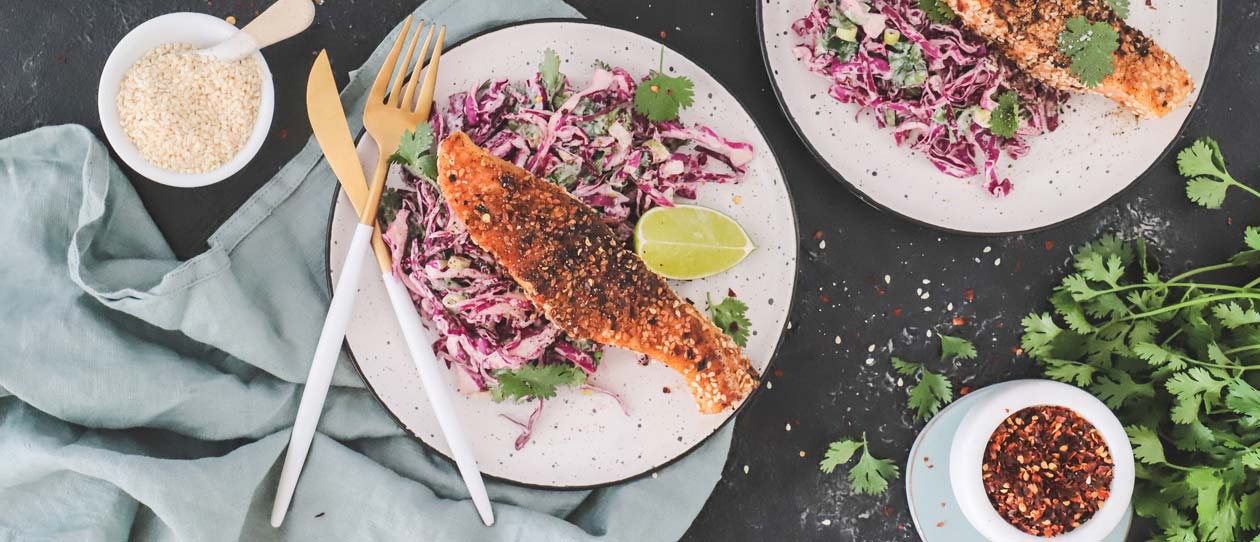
[[328, 121]]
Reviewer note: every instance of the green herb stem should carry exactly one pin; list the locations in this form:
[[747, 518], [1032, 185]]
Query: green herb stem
[[1198, 301]]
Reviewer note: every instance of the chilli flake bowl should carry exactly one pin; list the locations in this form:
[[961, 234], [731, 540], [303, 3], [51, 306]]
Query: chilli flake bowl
[[975, 430]]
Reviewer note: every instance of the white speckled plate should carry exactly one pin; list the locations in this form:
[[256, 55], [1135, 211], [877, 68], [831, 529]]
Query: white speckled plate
[[1097, 151], [584, 440]]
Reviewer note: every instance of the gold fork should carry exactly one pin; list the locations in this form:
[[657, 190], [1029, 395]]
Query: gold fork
[[386, 122], [390, 111]]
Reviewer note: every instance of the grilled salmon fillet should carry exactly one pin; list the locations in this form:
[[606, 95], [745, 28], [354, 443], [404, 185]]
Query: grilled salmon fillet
[[1147, 80], [572, 266]]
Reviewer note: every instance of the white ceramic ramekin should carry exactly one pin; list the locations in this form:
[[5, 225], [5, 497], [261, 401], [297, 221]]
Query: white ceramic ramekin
[[967, 456], [201, 30]]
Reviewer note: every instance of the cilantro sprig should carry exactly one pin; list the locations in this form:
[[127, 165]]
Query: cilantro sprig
[[533, 381], [415, 152], [731, 316], [933, 390], [1178, 359], [1005, 119], [1209, 182], [660, 97], [870, 475], [1090, 47]]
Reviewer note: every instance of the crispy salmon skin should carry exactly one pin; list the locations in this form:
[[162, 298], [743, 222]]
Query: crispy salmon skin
[[1147, 79], [572, 266]]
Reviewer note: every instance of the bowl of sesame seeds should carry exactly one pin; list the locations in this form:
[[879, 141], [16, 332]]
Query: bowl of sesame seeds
[[179, 118], [1041, 460]]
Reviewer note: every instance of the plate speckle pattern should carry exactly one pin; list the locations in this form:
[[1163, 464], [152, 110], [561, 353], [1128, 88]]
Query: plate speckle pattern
[[1097, 151], [583, 440]]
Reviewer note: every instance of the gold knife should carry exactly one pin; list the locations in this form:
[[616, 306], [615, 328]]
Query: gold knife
[[328, 121]]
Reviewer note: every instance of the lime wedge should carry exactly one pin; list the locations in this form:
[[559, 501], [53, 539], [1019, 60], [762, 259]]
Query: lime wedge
[[690, 242]]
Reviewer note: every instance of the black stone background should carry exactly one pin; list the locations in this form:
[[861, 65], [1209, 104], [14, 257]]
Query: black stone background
[[51, 54]]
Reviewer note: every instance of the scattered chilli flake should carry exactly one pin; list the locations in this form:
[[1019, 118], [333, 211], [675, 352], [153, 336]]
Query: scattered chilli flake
[[871, 348], [826, 522], [787, 427], [988, 249], [745, 469], [887, 279], [822, 244], [997, 262], [838, 340], [870, 361]]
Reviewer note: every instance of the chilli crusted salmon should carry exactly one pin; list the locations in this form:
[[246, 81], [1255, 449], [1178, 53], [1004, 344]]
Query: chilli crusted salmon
[[571, 265], [1147, 79]]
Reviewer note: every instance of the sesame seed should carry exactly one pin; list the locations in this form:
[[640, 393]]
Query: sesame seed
[[186, 112]]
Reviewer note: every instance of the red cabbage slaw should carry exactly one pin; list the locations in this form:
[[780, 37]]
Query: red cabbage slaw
[[935, 84], [588, 140]]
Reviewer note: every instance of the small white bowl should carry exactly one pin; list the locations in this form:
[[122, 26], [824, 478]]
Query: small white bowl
[[972, 437], [200, 30]]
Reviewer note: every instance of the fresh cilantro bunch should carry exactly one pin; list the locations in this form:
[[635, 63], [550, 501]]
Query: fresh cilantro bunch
[[933, 390], [938, 11], [1177, 359], [1209, 182], [870, 475], [1090, 47], [532, 381], [660, 97], [731, 316]]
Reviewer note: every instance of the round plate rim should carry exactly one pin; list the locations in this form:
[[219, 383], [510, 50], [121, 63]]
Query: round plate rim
[[783, 331], [864, 198]]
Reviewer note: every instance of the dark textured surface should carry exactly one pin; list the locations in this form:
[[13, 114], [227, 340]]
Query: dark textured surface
[[51, 58]]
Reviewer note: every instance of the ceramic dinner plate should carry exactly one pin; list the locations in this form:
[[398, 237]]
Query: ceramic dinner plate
[[584, 440], [1096, 152]]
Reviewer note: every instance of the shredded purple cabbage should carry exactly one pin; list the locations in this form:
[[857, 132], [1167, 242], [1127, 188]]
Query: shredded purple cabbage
[[934, 86], [589, 141]]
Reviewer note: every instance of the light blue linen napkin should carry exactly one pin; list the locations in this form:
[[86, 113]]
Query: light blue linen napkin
[[145, 398]]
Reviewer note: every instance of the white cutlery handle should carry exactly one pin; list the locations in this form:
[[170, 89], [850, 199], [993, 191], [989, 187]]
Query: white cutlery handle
[[438, 390], [320, 376], [282, 20]]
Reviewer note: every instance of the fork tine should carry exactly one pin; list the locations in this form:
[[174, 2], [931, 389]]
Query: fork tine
[[415, 72], [425, 102], [404, 61], [377, 95]]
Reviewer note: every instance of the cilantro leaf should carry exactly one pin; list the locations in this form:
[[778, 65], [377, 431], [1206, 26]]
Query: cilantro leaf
[[956, 347], [1233, 316], [1244, 399], [839, 453], [415, 152], [1121, 7], [532, 381], [1090, 47], [1070, 372], [1005, 119], [871, 475], [549, 73], [931, 393], [661, 96], [391, 202], [731, 316], [904, 367], [1039, 332], [938, 11], [1146, 445], [1158, 356], [1119, 387], [1207, 193], [1202, 158], [1252, 237]]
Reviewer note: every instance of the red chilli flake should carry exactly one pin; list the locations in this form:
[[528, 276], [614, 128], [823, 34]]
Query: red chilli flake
[[1049, 245], [1047, 470], [969, 294]]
